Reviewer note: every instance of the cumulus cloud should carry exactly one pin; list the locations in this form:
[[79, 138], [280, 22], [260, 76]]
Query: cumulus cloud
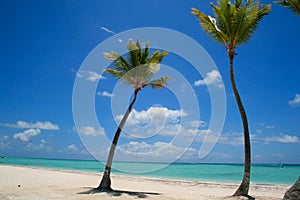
[[154, 115], [283, 138], [105, 94], [89, 75], [26, 135], [212, 78], [158, 151], [154, 121], [36, 125], [295, 101], [43, 145], [91, 131]]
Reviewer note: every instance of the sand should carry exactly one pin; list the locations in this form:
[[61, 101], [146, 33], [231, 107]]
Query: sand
[[25, 183]]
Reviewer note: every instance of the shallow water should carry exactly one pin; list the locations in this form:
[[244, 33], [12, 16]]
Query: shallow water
[[232, 173]]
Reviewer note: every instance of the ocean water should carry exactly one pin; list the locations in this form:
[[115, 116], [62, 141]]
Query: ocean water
[[230, 173]]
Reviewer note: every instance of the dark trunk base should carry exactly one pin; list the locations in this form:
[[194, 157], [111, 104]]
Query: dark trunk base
[[105, 184], [294, 192], [243, 189]]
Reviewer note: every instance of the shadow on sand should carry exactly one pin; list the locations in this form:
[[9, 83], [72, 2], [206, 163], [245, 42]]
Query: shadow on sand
[[249, 197], [244, 197], [119, 192]]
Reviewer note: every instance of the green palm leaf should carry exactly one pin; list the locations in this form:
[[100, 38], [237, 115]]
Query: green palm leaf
[[293, 5], [159, 83], [234, 24], [139, 68]]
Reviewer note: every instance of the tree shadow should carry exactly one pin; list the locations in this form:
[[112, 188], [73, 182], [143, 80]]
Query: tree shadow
[[247, 196], [119, 192]]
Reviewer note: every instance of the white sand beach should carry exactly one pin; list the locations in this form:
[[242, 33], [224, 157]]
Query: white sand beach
[[24, 183]]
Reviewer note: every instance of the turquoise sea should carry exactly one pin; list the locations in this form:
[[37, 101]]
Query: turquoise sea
[[231, 173]]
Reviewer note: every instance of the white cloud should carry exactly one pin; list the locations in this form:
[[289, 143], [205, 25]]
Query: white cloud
[[234, 138], [36, 125], [89, 75], [43, 145], [267, 126], [26, 135], [154, 115], [270, 126], [197, 123], [282, 138], [5, 137], [295, 101], [158, 151], [4, 142], [72, 147], [105, 94], [154, 121], [207, 134], [212, 78], [110, 31], [259, 131], [107, 30], [91, 131]]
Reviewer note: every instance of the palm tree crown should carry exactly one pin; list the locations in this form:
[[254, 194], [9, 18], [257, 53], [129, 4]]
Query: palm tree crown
[[234, 24], [293, 5], [139, 68]]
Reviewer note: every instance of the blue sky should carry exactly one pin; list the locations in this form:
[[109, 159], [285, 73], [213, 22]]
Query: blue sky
[[44, 43]]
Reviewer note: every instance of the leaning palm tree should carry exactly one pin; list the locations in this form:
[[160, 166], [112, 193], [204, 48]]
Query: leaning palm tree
[[137, 70], [293, 5], [233, 26]]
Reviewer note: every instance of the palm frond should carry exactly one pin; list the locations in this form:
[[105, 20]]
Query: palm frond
[[114, 73], [209, 25], [118, 61], [139, 68], [235, 23], [159, 83], [293, 5]]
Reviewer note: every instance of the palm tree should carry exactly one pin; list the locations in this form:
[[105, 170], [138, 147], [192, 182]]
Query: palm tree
[[293, 5], [137, 71], [233, 26]]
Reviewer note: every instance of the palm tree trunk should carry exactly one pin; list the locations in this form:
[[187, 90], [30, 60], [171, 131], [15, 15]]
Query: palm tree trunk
[[244, 186], [105, 184]]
